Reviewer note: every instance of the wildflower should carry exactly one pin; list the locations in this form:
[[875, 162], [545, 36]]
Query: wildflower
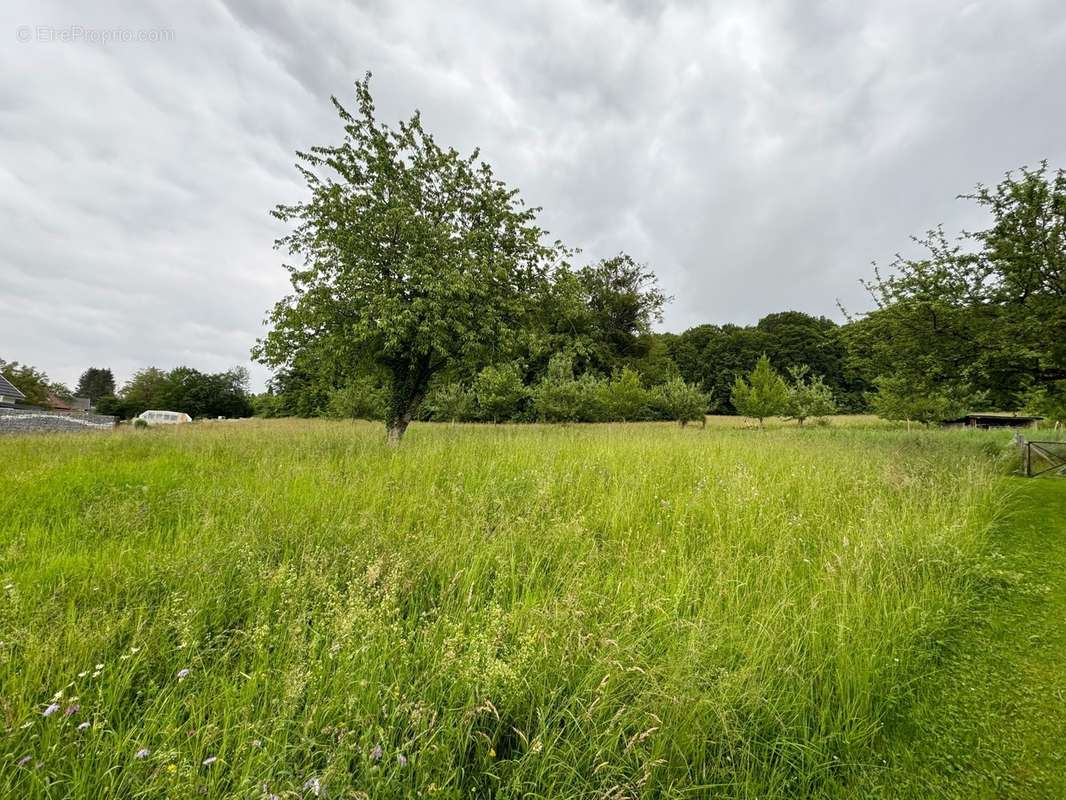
[[492, 752], [83, 726], [401, 759], [375, 754], [25, 760], [135, 650], [183, 674], [83, 673], [99, 666], [172, 768], [50, 710], [71, 710], [142, 753], [315, 785], [210, 760]]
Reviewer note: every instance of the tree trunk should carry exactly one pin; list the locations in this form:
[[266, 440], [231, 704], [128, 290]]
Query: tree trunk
[[394, 430], [410, 380]]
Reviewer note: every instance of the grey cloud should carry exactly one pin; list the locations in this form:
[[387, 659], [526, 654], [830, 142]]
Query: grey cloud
[[758, 156]]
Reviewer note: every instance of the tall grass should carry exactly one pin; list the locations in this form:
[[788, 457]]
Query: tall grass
[[580, 612]]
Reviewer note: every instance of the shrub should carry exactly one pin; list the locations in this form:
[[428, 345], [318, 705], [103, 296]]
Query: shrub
[[808, 398], [624, 398], [499, 392], [764, 394], [559, 397], [681, 401], [360, 398], [898, 399], [452, 402]]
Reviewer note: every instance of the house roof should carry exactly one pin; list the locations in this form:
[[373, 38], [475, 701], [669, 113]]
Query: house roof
[[9, 390]]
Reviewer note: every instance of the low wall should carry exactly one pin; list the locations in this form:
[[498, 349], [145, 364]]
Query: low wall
[[36, 420]]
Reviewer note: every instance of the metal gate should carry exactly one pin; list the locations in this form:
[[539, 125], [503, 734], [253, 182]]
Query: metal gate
[[1041, 458]]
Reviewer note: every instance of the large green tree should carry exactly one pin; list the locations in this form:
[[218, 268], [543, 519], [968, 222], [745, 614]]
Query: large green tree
[[413, 259], [983, 313], [32, 382]]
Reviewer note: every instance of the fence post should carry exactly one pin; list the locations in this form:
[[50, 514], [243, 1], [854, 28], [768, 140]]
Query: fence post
[[1028, 460]]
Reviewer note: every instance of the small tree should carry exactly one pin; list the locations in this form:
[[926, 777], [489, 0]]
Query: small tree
[[559, 397], [499, 391], [682, 401], [897, 398], [808, 397], [451, 401], [625, 398], [764, 394]]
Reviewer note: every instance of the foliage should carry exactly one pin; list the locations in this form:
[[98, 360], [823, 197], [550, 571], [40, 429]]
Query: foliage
[[1048, 401], [898, 398], [550, 613], [30, 381], [94, 383], [985, 312], [559, 397], [361, 398], [808, 397], [198, 394], [623, 299], [763, 394], [411, 258], [624, 397], [452, 402], [682, 401], [499, 392]]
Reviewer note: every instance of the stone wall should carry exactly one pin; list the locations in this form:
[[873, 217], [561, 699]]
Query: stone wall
[[37, 420]]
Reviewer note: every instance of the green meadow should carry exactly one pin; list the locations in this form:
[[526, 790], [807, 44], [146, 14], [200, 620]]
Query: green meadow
[[283, 609]]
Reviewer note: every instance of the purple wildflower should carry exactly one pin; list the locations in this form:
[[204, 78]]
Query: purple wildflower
[[25, 760], [51, 710], [142, 753], [315, 785], [183, 674], [71, 710], [83, 726], [375, 754], [401, 759]]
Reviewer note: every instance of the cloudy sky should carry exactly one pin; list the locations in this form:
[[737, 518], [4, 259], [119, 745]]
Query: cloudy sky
[[757, 155]]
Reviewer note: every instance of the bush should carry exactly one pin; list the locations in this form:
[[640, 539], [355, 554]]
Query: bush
[[808, 398], [360, 398], [764, 394], [139, 423], [682, 401], [499, 392], [452, 402], [897, 399], [559, 397], [624, 398]]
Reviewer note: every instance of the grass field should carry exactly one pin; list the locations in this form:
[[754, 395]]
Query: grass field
[[285, 608]]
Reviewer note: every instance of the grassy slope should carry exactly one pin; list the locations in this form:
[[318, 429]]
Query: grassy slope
[[992, 722]]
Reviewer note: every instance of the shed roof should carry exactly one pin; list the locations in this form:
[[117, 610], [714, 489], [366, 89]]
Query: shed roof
[[7, 389]]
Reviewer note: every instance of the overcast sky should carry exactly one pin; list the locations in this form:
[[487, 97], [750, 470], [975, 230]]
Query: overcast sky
[[757, 156]]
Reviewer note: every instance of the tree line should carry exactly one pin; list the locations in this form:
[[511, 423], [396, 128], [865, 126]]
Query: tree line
[[423, 287], [199, 394]]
